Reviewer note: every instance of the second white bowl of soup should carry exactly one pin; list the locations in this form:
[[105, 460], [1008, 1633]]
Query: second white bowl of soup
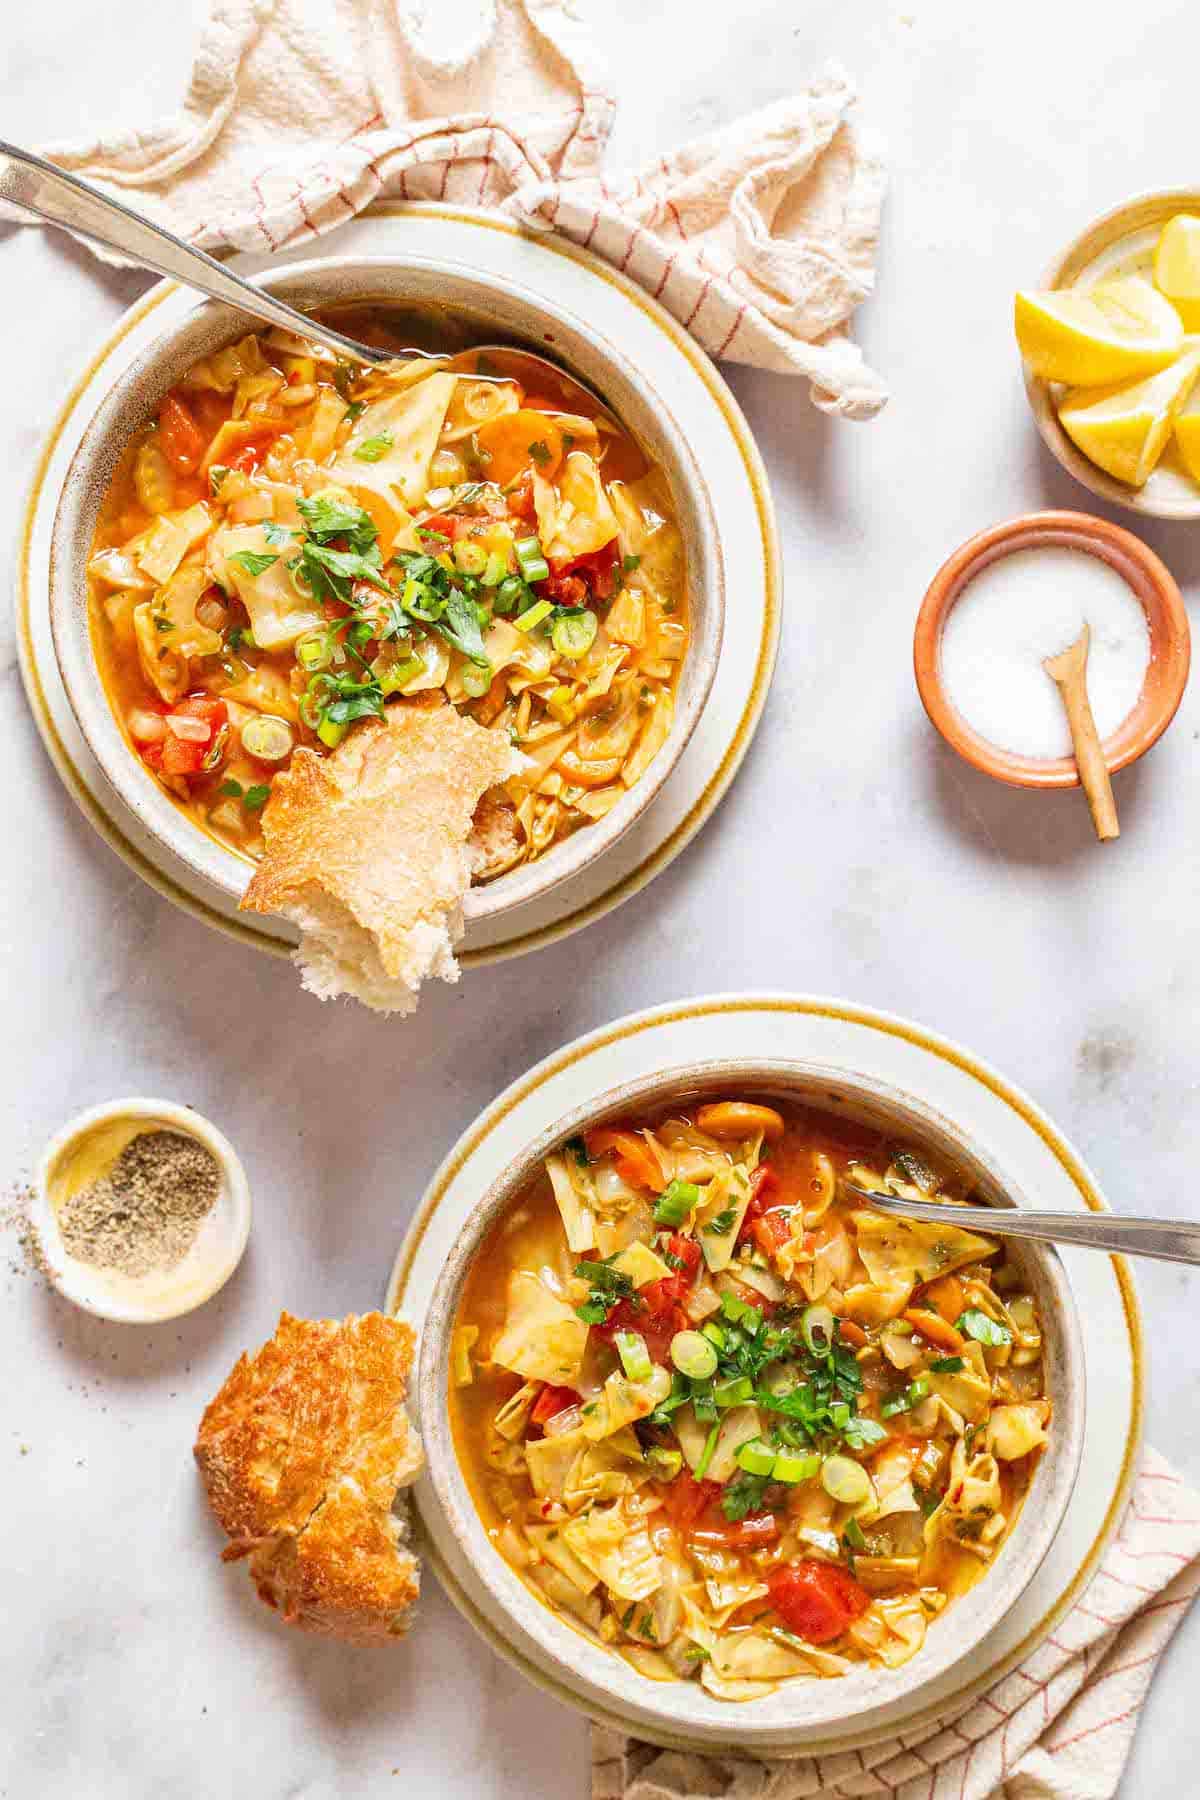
[[732, 1453], [257, 548]]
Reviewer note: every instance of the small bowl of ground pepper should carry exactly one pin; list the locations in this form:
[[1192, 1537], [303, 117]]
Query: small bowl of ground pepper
[[142, 1210]]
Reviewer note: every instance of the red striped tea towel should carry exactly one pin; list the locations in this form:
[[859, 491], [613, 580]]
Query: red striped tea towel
[[1058, 1728], [760, 238]]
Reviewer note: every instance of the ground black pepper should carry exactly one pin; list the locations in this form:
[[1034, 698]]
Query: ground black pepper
[[141, 1217]]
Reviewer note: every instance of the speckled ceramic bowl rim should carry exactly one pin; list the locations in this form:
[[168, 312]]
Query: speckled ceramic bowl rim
[[685, 1708], [70, 1277], [327, 280], [1151, 582], [1120, 222]]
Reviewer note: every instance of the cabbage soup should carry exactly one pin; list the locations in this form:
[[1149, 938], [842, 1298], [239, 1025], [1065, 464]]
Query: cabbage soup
[[293, 544], [729, 1421]]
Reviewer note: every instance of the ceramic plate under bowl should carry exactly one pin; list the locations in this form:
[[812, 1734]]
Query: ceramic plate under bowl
[[575, 284], [1120, 243], [1009, 1134]]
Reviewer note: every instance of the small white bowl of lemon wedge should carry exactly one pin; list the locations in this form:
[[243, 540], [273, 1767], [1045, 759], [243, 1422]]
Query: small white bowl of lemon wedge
[[1111, 346]]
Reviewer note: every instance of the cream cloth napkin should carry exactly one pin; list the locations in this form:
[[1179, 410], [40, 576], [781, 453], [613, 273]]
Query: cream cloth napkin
[[760, 238], [1058, 1728]]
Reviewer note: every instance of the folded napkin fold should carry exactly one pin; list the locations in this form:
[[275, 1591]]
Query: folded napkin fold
[[759, 238], [1059, 1727]]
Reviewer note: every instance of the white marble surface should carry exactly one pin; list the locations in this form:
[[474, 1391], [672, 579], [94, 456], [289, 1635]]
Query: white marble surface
[[854, 856]]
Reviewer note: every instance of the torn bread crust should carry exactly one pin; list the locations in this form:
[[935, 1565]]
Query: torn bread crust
[[303, 1452], [368, 850]]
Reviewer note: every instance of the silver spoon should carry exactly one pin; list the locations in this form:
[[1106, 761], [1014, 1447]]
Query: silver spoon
[[1167, 1240], [29, 181]]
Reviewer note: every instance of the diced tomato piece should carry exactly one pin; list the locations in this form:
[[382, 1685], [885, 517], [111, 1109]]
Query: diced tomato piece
[[214, 713], [182, 441], [750, 1533], [520, 498], [688, 1252], [634, 1160], [564, 590], [598, 569], [180, 756], [450, 525], [687, 1499], [252, 452], [816, 1600], [552, 1400]]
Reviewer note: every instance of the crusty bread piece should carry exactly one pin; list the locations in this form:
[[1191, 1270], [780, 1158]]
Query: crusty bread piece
[[302, 1453], [368, 851]]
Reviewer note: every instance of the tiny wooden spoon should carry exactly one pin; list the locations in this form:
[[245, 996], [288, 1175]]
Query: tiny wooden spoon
[[1068, 671]]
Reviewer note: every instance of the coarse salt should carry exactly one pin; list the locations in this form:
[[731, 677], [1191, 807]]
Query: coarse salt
[[1031, 604]]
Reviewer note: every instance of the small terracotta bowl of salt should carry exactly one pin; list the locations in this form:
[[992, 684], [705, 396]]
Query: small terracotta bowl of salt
[[1021, 592], [141, 1210]]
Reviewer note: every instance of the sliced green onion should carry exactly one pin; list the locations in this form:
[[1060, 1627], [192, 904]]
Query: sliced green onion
[[756, 1457], [530, 559], [845, 1481], [312, 651], [675, 1202], [511, 593], [947, 1365], [703, 1404], [533, 615], [734, 1392], [470, 556], [476, 679], [396, 677], [817, 1328], [915, 1392], [635, 1358], [792, 1466], [266, 737], [693, 1355], [854, 1535], [330, 732], [738, 1312], [574, 632], [987, 1331], [706, 1455], [665, 1463], [495, 570], [712, 1331]]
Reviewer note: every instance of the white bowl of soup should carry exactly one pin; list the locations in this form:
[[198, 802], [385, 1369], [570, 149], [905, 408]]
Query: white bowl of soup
[[258, 547], [732, 1455]]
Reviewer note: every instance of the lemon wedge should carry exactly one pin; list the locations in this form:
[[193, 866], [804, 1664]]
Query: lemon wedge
[[1187, 435], [1177, 267], [1089, 337], [1124, 428]]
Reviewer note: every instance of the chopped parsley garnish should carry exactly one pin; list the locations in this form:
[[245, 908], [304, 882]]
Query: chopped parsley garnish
[[744, 1494], [540, 452], [630, 563], [162, 623], [608, 1286], [234, 636], [977, 1325], [355, 410], [374, 449], [277, 534], [576, 1148], [252, 798], [327, 516], [254, 562], [722, 1224]]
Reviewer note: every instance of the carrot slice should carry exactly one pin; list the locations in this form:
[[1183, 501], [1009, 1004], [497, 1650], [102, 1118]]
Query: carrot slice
[[947, 1296], [517, 441], [851, 1333], [635, 1162], [934, 1329]]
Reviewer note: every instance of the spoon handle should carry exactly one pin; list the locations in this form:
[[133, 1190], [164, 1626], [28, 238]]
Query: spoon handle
[[32, 183], [1167, 1240], [1069, 674]]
